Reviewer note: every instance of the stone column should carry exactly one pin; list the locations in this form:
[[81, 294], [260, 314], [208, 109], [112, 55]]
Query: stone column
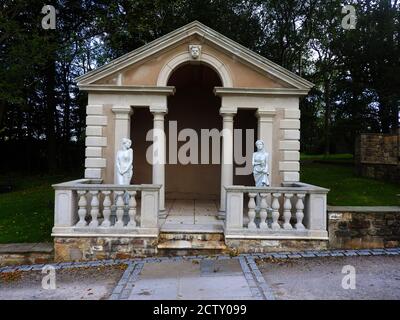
[[265, 133], [122, 129], [227, 155], [159, 156]]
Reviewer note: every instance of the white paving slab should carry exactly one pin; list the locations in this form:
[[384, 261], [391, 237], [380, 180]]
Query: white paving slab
[[205, 208], [206, 220], [184, 280], [215, 288], [194, 215], [179, 219], [182, 208], [193, 228]]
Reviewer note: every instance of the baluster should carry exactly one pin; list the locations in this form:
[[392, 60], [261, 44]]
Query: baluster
[[120, 209], [106, 209], [299, 211], [287, 211], [252, 212], [275, 211], [132, 209], [94, 210], [263, 211], [82, 203]]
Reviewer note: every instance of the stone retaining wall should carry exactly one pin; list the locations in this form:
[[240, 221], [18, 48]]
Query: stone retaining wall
[[97, 248], [25, 253], [378, 156], [266, 246], [364, 227]]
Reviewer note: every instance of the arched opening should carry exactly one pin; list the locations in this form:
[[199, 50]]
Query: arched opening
[[185, 58], [195, 107]]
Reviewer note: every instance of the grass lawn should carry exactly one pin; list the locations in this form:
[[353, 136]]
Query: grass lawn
[[347, 189], [332, 157], [26, 213]]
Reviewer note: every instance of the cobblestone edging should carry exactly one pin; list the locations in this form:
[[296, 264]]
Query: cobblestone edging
[[252, 283], [262, 284], [260, 290], [126, 283], [275, 255]]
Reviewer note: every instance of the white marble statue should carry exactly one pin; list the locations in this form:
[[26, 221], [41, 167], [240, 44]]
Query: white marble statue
[[124, 161], [260, 165]]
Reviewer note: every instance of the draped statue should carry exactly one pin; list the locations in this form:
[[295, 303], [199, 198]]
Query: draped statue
[[260, 165], [124, 161]]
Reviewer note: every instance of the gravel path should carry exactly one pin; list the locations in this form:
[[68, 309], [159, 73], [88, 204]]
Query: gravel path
[[321, 278], [71, 284]]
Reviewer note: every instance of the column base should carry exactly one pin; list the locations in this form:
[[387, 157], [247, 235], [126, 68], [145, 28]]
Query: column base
[[162, 214]]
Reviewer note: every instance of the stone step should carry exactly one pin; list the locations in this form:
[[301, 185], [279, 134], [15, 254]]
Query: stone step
[[25, 253], [189, 241]]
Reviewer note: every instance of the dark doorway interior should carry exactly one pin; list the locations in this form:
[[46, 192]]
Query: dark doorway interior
[[193, 106], [141, 124], [245, 120]]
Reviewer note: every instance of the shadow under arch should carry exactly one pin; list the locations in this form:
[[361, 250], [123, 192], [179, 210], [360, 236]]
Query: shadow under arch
[[195, 107]]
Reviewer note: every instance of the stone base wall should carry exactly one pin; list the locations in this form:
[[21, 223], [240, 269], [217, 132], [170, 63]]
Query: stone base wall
[[98, 248], [265, 246], [364, 228], [349, 228]]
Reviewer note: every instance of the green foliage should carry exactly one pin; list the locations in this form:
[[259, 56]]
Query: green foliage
[[355, 72]]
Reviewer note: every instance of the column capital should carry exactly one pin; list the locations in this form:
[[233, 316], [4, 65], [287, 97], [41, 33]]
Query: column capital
[[228, 111], [158, 116], [122, 112], [158, 110], [265, 115]]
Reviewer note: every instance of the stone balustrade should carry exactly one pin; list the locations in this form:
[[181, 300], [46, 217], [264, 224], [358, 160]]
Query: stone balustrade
[[293, 211], [88, 208]]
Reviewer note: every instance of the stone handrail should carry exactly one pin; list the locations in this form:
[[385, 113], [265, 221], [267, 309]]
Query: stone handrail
[[306, 188], [86, 207], [293, 211]]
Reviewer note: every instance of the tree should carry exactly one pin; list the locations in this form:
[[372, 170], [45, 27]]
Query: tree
[[42, 114]]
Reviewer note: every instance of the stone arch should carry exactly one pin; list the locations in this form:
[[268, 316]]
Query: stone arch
[[205, 58]]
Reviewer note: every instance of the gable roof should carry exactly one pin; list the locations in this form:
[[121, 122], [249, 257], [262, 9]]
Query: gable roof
[[196, 28]]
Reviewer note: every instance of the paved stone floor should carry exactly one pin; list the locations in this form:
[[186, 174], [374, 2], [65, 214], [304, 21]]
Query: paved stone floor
[[192, 215], [301, 275], [206, 279]]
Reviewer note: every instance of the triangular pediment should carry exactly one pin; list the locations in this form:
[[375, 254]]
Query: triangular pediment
[[243, 67]]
